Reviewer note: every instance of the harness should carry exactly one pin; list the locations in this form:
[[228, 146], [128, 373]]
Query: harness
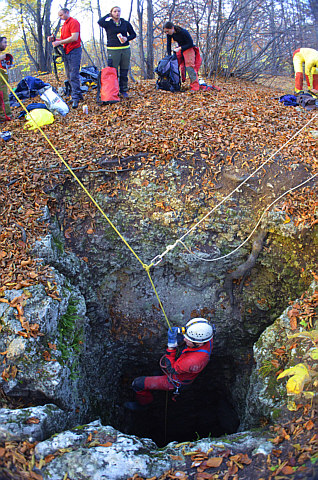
[[177, 383], [58, 58]]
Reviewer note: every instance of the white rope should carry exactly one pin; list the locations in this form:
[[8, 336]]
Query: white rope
[[156, 260], [259, 221]]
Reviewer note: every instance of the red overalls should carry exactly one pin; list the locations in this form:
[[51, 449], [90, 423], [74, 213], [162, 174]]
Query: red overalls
[[190, 60], [178, 372]]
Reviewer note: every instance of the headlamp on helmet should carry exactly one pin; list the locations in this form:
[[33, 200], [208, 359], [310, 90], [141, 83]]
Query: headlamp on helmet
[[198, 330]]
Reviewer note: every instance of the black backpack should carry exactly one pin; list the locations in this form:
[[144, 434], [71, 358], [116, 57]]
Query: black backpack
[[168, 74]]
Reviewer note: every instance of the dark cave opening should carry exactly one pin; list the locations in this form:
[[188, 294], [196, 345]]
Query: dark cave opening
[[205, 409]]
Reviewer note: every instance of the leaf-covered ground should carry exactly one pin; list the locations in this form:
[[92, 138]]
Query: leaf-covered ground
[[238, 127], [235, 129]]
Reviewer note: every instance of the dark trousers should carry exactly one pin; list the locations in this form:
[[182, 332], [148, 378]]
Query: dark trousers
[[72, 65], [121, 60]]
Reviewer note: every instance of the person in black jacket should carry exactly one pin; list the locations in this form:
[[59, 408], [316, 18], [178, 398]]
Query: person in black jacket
[[119, 33], [186, 47]]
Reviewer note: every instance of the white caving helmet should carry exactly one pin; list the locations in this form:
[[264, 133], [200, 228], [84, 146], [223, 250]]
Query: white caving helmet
[[198, 330]]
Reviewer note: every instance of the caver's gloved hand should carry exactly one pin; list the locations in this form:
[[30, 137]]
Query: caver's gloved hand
[[172, 337]]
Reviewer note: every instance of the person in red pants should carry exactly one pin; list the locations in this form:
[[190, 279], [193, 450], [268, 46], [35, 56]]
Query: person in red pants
[[6, 61], [186, 47], [309, 58], [179, 371]]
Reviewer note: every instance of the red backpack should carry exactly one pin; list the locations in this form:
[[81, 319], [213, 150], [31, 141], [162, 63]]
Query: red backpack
[[107, 86]]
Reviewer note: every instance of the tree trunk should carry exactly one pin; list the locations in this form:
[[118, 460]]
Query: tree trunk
[[150, 55], [101, 37], [140, 11], [314, 10]]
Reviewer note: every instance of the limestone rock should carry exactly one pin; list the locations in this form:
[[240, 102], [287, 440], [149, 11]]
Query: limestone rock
[[45, 367], [96, 452], [32, 424], [266, 396]]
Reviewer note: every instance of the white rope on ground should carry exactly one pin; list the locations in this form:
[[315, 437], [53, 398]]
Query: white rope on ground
[[259, 221], [158, 258]]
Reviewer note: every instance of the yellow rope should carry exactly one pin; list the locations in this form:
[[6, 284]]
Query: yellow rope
[[145, 266]]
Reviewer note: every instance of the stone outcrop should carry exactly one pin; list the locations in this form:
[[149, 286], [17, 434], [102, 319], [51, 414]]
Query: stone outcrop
[[96, 452]]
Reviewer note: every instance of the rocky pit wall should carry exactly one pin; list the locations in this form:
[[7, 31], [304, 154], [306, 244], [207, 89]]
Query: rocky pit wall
[[94, 451], [106, 327]]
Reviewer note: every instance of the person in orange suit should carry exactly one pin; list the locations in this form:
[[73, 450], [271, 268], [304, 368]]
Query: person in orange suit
[[309, 57]]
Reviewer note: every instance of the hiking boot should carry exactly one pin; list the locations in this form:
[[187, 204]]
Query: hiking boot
[[75, 104], [124, 94], [135, 407]]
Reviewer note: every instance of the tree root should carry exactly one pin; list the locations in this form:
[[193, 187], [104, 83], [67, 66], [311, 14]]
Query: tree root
[[243, 269]]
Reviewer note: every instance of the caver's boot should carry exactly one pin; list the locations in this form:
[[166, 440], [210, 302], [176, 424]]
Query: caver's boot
[[194, 83]]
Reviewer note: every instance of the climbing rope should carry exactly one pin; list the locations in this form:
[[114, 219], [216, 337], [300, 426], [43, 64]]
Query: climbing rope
[[257, 224], [145, 266], [158, 258]]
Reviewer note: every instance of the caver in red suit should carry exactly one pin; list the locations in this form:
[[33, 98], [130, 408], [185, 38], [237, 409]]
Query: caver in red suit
[[309, 57], [181, 371]]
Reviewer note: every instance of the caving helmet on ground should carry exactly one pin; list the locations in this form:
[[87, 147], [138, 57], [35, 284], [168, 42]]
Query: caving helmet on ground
[[198, 330]]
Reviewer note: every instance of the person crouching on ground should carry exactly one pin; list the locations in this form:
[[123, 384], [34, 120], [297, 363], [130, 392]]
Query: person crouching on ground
[[185, 49], [309, 57], [180, 370]]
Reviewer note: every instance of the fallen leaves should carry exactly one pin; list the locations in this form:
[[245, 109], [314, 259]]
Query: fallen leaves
[[19, 457]]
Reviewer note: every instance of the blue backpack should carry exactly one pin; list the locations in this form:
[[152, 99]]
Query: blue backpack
[[168, 74]]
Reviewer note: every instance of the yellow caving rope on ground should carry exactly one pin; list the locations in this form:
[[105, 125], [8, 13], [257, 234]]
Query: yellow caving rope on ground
[[145, 266]]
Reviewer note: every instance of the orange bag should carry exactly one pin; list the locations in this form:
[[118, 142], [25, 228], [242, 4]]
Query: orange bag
[[108, 87]]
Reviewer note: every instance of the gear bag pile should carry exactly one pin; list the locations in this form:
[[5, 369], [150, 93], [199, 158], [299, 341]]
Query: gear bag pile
[[168, 74]]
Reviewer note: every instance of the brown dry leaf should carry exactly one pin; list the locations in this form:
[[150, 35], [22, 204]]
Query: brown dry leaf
[[46, 356], [214, 462], [245, 459], [293, 323], [49, 458], [90, 231], [31, 420], [233, 468], [175, 457], [107, 444], [309, 425], [276, 452], [24, 263], [205, 476], [89, 438], [287, 470]]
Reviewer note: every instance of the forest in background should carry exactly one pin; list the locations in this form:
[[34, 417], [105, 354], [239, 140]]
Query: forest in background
[[246, 39]]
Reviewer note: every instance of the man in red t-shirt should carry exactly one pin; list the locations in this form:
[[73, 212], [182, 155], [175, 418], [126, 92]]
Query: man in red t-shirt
[[71, 41]]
